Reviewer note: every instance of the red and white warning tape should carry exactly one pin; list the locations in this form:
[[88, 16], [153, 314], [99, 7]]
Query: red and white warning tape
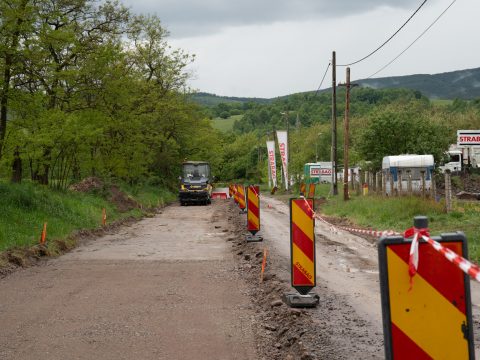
[[334, 228], [463, 264]]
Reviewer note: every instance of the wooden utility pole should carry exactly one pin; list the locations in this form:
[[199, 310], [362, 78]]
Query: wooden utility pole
[[334, 124], [287, 180], [348, 86]]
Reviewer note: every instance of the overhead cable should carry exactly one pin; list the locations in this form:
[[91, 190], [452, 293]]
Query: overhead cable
[[321, 82], [390, 38], [414, 41]]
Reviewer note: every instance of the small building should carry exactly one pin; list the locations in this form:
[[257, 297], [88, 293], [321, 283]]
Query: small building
[[407, 168]]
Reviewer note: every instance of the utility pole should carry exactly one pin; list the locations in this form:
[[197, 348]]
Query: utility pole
[[287, 182], [334, 124], [348, 86]]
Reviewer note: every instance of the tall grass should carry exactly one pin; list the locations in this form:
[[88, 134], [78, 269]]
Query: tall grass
[[25, 207], [397, 214]]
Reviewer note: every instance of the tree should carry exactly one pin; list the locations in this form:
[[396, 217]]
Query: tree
[[401, 129]]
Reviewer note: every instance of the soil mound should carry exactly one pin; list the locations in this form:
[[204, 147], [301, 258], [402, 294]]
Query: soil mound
[[122, 201], [87, 185]]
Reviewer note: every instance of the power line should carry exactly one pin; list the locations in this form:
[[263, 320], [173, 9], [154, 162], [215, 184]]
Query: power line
[[409, 46], [390, 38], [323, 78]]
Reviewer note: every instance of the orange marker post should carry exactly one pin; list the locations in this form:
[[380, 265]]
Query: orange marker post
[[104, 217], [43, 237], [264, 264]]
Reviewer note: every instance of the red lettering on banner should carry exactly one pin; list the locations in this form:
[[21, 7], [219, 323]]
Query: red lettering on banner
[[273, 170], [284, 158]]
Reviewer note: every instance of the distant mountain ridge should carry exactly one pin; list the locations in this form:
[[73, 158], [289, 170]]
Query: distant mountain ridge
[[211, 100], [460, 84]]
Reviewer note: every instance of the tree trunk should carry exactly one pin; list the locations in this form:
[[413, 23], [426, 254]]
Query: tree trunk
[[7, 73], [17, 167]]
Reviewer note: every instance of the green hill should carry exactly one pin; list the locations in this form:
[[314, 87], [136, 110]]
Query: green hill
[[211, 100], [461, 84]]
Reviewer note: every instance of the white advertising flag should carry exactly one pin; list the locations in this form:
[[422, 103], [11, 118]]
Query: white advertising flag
[[282, 137], [271, 161]]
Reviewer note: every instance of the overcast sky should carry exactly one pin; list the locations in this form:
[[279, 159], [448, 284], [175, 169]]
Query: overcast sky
[[268, 48]]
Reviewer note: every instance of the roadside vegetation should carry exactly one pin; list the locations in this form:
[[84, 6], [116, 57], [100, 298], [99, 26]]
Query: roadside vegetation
[[27, 206], [90, 90]]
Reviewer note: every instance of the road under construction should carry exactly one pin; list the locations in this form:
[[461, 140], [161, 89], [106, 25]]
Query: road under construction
[[165, 288]]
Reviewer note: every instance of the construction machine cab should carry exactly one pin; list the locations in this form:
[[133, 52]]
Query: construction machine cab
[[195, 183]]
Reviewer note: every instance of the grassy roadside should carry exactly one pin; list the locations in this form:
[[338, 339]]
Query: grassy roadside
[[25, 207]]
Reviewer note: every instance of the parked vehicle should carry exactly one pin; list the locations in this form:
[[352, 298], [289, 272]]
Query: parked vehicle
[[453, 162], [408, 168], [460, 157]]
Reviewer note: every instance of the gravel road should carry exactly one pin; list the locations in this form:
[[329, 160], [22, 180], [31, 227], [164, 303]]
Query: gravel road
[[163, 288]]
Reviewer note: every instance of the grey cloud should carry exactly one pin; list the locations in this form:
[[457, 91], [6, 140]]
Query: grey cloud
[[186, 18]]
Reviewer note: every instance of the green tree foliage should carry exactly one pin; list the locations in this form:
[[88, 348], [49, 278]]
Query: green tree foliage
[[314, 109], [240, 157], [401, 129], [90, 89]]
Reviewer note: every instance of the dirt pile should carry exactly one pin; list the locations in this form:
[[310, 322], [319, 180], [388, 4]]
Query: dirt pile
[[461, 184], [87, 185], [122, 201]]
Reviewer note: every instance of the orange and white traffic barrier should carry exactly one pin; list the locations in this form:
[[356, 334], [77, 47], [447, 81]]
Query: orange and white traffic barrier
[[241, 197], [302, 242], [432, 317], [253, 209]]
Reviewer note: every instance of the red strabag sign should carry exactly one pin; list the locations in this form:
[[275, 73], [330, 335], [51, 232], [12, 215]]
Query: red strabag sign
[[272, 162], [468, 137], [282, 137]]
